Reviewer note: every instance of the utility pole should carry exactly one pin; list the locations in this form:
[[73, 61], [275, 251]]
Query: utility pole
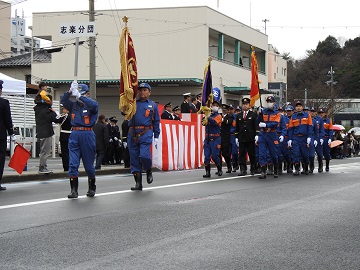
[[265, 21], [332, 83], [306, 98], [92, 66]]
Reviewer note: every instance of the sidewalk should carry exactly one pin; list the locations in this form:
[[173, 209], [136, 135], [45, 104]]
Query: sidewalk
[[54, 164]]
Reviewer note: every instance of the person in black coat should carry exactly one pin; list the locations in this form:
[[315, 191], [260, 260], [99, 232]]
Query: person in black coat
[[198, 101], [126, 154], [246, 126], [114, 149], [176, 112], [64, 138], [102, 140], [185, 106], [167, 112], [6, 128], [44, 117]]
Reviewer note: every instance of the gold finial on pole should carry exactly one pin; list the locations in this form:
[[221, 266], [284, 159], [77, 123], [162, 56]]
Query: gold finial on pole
[[125, 20], [253, 48], [210, 59]]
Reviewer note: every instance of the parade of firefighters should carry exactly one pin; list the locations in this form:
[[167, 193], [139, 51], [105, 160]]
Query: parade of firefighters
[[267, 140]]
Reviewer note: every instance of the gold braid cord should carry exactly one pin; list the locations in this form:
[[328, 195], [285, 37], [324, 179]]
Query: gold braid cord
[[127, 102], [206, 110]]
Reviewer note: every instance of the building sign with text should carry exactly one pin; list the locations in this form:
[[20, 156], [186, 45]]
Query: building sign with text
[[77, 29]]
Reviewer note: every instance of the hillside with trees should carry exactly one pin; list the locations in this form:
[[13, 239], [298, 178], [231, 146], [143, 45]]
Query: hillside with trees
[[312, 72]]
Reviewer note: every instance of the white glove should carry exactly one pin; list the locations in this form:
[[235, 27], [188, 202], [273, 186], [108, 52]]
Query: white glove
[[289, 143], [237, 142], [74, 86], [260, 109], [156, 142], [329, 141], [111, 140], [262, 124], [125, 144], [256, 138], [308, 140], [13, 138], [315, 143], [281, 138], [321, 141], [76, 93], [115, 138]]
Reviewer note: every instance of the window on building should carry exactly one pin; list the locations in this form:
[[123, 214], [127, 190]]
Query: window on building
[[275, 76], [356, 123], [346, 123], [284, 71], [28, 78]]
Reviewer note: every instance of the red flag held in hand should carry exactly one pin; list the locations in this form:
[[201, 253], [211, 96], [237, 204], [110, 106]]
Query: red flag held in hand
[[19, 159]]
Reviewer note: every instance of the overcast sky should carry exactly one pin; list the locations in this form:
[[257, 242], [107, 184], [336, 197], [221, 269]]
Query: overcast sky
[[292, 26]]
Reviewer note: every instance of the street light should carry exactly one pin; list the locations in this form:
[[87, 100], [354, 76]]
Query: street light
[[331, 82]]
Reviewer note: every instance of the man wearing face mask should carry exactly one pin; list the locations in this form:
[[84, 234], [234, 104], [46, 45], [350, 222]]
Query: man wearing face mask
[[270, 121], [300, 133], [212, 142]]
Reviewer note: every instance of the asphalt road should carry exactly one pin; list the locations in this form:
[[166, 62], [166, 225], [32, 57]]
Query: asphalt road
[[182, 221]]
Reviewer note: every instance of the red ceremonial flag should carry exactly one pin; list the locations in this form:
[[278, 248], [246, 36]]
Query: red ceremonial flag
[[128, 76], [19, 159], [254, 90]]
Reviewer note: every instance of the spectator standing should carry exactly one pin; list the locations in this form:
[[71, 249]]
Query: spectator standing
[[102, 139], [64, 138], [82, 142], [126, 154], [6, 128], [144, 126], [114, 150], [198, 101], [44, 117], [193, 103], [185, 106]]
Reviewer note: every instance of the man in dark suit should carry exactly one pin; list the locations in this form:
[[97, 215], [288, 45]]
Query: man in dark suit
[[6, 128], [246, 125], [176, 112], [166, 114], [198, 101], [102, 140], [185, 106]]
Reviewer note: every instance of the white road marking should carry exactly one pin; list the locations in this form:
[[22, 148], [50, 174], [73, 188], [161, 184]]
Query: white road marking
[[333, 167], [119, 192]]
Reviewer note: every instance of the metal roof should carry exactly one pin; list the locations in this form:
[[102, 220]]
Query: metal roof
[[25, 59]]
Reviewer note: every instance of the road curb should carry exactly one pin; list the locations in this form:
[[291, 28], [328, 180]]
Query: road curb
[[56, 175]]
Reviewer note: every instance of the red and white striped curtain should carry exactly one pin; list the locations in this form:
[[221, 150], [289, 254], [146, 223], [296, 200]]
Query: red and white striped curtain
[[180, 144]]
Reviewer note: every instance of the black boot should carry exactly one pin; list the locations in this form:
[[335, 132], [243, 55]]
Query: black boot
[[138, 181], [306, 168], [228, 164], [289, 167], [297, 169], [263, 172], [74, 185], [320, 169], [217, 173], [252, 169], [327, 165], [235, 166], [270, 170], [303, 168], [312, 165], [92, 188], [219, 168], [149, 176], [243, 170], [207, 171], [229, 168], [280, 168], [276, 170]]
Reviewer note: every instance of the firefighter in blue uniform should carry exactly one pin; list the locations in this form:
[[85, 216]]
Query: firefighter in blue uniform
[[279, 131], [327, 139], [212, 142], [82, 143], [300, 133], [143, 127], [269, 120], [318, 141], [286, 151]]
